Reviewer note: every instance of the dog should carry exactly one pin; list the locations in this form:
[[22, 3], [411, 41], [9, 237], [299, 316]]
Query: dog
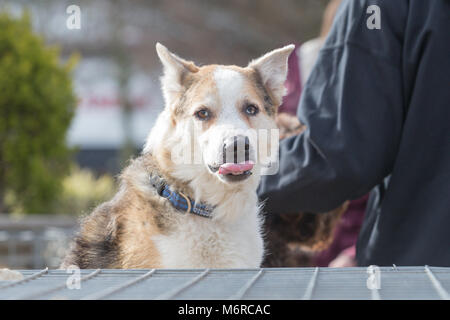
[[170, 214]]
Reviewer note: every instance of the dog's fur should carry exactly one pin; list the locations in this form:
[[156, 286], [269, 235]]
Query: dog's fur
[[140, 229]]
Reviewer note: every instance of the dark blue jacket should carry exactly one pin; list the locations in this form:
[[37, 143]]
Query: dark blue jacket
[[377, 108]]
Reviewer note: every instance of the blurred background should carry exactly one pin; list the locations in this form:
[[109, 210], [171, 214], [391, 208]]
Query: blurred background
[[75, 104]]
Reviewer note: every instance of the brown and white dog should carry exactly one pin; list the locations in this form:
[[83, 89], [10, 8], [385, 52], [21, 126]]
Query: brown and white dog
[[140, 228], [208, 109]]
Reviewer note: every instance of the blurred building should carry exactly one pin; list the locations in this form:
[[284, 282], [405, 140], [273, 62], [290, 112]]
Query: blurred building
[[98, 128]]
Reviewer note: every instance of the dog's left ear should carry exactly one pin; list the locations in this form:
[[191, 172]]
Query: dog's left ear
[[176, 70], [273, 68]]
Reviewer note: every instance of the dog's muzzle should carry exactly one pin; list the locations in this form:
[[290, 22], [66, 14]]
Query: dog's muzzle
[[236, 164], [236, 149]]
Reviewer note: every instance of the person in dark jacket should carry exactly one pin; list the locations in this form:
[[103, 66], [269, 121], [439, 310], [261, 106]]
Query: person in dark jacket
[[377, 111]]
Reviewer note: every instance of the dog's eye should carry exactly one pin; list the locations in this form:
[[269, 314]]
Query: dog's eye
[[202, 114], [251, 110]]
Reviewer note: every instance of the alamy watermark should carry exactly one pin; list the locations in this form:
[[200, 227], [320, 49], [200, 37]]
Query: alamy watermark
[[258, 146], [374, 278], [74, 19], [74, 280], [374, 20]]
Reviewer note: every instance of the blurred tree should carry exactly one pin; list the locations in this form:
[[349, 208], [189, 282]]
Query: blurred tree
[[36, 106]]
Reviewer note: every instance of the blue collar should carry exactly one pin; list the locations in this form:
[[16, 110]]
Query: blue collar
[[179, 200]]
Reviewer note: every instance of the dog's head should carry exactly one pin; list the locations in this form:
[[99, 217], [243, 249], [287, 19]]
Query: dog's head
[[215, 114]]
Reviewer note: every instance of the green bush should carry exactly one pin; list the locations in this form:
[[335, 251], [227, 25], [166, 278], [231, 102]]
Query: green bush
[[36, 106], [82, 191]]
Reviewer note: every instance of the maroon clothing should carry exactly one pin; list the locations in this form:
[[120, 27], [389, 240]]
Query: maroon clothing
[[346, 233]]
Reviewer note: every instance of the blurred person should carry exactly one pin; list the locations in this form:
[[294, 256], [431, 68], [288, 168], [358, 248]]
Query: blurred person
[[309, 50], [302, 60], [341, 252], [376, 110]]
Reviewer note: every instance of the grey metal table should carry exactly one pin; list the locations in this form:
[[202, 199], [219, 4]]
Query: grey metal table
[[285, 283]]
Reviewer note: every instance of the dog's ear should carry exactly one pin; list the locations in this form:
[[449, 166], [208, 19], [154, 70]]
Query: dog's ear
[[175, 71], [273, 68]]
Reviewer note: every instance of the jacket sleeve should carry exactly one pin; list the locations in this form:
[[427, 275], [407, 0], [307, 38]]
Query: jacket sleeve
[[353, 108]]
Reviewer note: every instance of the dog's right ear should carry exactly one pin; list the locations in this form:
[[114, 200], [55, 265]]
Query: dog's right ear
[[175, 71]]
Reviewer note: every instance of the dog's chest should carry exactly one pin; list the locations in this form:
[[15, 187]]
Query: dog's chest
[[203, 243]]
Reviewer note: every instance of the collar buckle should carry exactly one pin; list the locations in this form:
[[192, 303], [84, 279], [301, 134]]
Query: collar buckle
[[188, 201], [174, 197]]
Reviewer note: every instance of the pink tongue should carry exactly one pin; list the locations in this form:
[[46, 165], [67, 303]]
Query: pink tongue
[[227, 168]]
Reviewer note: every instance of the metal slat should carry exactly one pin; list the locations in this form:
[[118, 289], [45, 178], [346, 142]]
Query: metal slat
[[240, 294], [173, 293], [421, 282], [437, 284], [110, 291], [31, 277], [219, 284], [58, 287], [311, 285]]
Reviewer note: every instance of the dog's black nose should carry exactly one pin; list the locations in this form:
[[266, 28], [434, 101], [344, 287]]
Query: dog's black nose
[[238, 139], [236, 149]]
